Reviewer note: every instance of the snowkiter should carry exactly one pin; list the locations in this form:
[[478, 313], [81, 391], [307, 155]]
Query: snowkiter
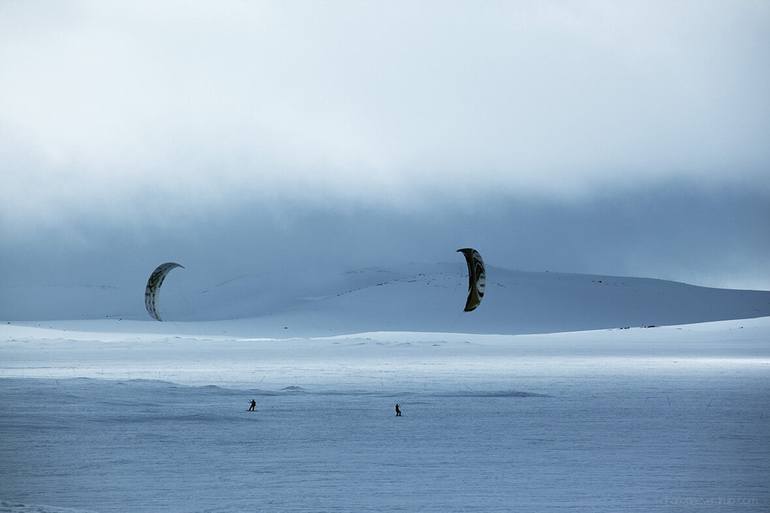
[[253, 405], [398, 411]]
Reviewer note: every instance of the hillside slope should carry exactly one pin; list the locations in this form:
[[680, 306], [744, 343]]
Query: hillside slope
[[417, 297]]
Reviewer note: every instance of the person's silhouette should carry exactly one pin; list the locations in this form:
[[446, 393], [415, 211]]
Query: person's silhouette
[[398, 411], [253, 405]]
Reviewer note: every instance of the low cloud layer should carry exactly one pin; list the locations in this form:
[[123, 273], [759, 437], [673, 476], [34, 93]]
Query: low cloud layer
[[714, 237]]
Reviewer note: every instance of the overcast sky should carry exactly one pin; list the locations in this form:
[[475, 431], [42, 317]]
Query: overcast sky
[[604, 137]]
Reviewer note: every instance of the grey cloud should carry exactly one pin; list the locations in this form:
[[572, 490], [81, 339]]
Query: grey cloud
[[678, 231], [568, 136], [555, 98]]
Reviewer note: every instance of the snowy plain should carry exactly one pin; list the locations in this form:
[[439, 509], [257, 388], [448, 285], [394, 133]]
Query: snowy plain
[[114, 415]]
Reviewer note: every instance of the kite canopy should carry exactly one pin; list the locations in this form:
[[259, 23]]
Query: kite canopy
[[153, 288], [477, 278]]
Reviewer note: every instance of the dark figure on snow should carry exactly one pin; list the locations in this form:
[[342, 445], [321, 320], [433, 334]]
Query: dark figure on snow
[[398, 411], [253, 405]]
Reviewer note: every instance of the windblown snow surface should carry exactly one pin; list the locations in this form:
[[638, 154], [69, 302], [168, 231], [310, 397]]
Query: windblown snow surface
[[118, 416]]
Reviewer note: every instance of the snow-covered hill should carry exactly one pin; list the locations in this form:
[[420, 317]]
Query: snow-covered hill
[[417, 297]]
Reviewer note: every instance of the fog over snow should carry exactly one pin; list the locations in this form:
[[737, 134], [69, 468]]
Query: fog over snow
[[572, 136]]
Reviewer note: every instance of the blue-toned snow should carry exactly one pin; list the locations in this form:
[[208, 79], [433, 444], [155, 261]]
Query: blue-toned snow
[[646, 420]]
